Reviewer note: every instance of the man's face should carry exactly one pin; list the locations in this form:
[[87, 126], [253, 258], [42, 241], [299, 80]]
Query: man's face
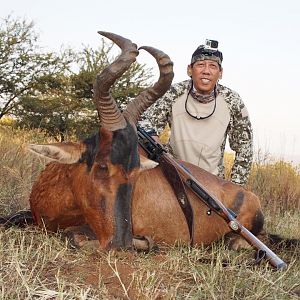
[[205, 74]]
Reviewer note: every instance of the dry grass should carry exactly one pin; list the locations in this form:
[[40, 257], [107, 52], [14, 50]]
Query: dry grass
[[276, 182], [18, 168], [37, 265], [34, 265]]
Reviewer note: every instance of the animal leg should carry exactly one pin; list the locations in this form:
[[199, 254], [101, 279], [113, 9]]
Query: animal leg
[[144, 243], [81, 237], [235, 242]]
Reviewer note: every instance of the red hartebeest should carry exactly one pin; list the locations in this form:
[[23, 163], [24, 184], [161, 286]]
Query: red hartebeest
[[104, 184]]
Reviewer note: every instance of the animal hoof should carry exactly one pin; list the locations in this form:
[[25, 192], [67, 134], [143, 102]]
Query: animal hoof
[[144, 244]]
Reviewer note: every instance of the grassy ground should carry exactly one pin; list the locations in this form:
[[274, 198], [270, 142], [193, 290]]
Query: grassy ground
[[34, 265], [38, 265]]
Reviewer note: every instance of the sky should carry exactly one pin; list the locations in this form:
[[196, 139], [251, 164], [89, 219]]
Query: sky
[[260, 41]]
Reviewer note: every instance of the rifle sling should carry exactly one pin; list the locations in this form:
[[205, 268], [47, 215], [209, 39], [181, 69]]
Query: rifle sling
[[178, 186]]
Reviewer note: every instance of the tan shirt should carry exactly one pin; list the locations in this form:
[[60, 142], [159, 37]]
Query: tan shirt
[[199, 141]]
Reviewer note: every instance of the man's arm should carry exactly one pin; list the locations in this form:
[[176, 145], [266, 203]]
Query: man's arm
[[241, 141]]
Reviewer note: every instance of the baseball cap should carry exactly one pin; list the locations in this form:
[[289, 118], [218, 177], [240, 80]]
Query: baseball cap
[[206, 52]]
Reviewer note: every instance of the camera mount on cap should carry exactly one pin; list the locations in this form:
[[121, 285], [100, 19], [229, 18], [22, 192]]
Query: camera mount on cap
[[211, 45]]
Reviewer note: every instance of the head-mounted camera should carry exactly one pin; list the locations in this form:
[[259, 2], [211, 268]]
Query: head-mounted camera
[[211, 45]]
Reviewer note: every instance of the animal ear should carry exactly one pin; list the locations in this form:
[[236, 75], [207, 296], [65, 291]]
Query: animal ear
[[66, 153], [147, 164]]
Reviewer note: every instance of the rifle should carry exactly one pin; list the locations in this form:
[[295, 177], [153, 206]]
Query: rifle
[[156, 152]]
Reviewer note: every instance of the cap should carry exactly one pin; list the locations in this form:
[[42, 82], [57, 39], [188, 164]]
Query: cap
[[204, 53]]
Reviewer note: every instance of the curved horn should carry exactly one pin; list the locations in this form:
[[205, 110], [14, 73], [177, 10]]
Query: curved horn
[[109, 114], [151, 94]]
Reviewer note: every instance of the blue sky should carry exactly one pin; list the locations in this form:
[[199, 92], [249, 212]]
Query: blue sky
[[260, 41]]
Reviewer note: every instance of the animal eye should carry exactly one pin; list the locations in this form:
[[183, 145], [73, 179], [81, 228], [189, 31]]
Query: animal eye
[[103, 167], [102, 171]]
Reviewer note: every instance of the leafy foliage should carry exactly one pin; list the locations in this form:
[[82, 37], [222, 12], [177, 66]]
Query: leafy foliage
[[22, 62], [61, 103], [91, 62], [56, 110]]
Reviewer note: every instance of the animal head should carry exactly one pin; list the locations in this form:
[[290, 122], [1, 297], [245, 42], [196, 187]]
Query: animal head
[[103, 168]]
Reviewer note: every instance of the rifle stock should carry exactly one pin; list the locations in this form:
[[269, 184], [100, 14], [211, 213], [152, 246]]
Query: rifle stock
[[156, 151]]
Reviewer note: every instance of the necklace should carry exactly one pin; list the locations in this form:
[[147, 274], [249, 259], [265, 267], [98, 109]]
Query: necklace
[[196, 117]]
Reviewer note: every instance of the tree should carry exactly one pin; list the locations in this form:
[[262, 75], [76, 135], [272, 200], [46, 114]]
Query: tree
[[55, 109], [62, 105], [91, 61], [22, 63]]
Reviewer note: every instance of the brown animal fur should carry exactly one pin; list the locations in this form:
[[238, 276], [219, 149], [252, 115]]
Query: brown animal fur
[[153, 196], [55, 203], [69, 195]]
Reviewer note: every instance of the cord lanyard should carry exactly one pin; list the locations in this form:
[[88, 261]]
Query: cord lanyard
[[196, 117]]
